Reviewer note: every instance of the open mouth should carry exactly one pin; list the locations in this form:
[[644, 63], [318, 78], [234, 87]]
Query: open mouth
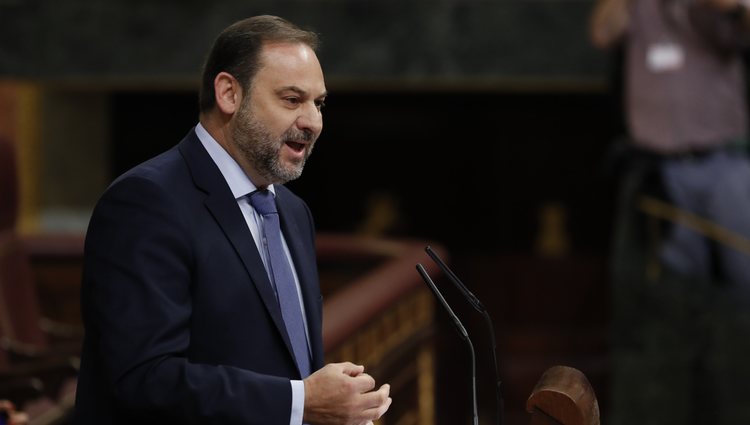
[[296, 146]]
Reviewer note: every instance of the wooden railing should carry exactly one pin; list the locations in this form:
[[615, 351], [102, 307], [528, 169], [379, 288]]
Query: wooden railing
[[383, 318]]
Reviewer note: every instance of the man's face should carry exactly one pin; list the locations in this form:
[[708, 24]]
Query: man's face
[[279, 121]]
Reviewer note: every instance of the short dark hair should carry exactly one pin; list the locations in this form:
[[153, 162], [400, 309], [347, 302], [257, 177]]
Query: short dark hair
[[237, 51]]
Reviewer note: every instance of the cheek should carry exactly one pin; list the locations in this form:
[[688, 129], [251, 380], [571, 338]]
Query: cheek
[[278, 124]]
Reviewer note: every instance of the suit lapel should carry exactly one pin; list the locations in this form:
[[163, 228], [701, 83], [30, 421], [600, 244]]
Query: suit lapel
[[223, 207]]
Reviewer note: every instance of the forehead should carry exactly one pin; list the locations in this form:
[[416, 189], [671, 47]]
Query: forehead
[[287, 65]]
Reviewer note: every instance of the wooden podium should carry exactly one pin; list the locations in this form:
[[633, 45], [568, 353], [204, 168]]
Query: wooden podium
[[563, 396]]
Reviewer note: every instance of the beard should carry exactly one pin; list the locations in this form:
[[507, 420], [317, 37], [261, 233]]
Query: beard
[[262, 149]]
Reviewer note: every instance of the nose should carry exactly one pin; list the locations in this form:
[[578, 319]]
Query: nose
[[310, 119]]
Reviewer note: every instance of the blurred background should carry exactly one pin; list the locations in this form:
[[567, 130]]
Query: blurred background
[[481, 126]]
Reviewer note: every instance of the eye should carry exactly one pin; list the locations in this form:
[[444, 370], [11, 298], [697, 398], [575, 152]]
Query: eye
[[292, 100], [320, 104]]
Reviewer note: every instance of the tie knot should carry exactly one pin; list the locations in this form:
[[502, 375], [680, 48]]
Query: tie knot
[[263, 202]]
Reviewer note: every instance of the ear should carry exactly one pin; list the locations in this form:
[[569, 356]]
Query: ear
[[228, 93]]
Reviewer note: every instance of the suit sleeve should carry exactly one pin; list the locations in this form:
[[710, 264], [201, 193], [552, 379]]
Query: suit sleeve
[[137, 299]]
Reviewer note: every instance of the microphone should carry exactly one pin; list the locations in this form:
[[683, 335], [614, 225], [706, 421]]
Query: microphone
[[474, 301], [461, 331]]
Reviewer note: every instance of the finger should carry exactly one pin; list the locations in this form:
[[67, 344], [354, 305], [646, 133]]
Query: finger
[[386, 388], [363, 383], [384, 391], [352, 369], [375, 399], [20, 419], [377, 412]]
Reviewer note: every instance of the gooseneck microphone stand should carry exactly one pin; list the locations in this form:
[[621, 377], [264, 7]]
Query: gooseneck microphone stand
[[462, 332], [474, 301]]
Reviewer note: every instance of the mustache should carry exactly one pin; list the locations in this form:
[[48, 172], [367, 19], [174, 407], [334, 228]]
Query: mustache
[[293, 134]]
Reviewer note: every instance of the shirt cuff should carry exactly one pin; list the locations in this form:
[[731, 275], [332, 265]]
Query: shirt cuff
[[298, 402]]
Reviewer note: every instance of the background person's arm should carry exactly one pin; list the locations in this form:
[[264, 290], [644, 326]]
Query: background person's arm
[[13, 417]]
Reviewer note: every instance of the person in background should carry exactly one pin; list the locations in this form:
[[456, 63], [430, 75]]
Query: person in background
[[9, 415], [200, 293], [681, 313]]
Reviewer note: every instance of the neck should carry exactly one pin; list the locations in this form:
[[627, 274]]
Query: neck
[[220, 128]]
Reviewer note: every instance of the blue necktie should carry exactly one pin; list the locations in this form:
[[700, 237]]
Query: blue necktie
[[282, 278]]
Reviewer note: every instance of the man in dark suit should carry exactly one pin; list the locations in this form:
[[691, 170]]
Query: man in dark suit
[[187, 320]]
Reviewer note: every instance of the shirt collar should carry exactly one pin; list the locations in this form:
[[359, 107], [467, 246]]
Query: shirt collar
[[239, 183]]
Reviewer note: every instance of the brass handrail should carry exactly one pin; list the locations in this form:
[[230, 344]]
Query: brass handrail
[[660, 209]]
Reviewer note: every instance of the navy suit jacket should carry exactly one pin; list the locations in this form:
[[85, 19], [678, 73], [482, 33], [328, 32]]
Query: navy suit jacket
[[182, 325]]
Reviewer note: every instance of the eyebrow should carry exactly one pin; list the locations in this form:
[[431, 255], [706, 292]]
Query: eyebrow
[[300, 92]]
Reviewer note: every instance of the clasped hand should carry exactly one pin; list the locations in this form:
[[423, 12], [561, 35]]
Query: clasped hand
[[342, 394]]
